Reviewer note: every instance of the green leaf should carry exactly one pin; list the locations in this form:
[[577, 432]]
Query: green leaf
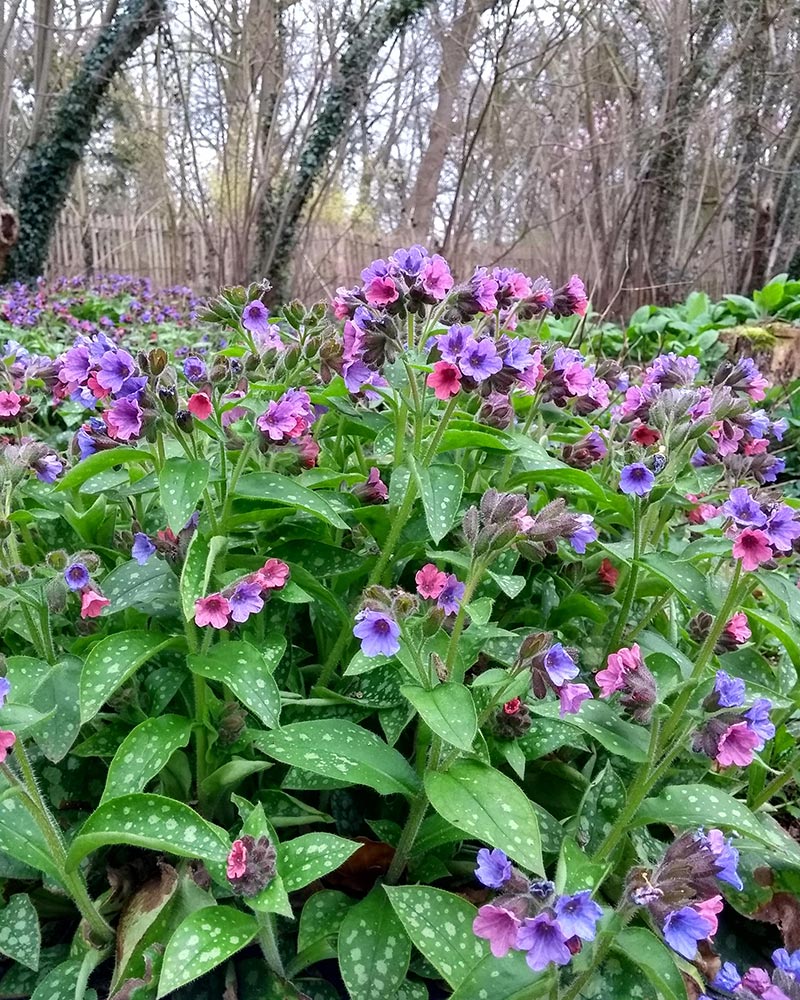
[[100, 461], [246, 672], [20, 937], [288, 493], [151, 588], [603, 802], [508, 978], [180, 484], [144, 752], [111, 662], [602, 723], [61, 983], [197, 568], [449, 711], [654, 959], [490, 807], [784, 631], [151, 821], [321, 917], [576, 871], [307, 858], [374, 950], [680, 576], [341, 750], [21, 837], [58, 698], [204, 939], [440, 926], [441, 487]]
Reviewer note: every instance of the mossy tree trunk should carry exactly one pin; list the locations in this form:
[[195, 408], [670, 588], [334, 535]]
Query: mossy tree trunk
[[56, 154], [285, 198]]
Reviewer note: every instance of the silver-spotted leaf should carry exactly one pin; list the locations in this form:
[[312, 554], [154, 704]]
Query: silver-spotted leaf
[[144, 752], [374, 949], [204, 939]]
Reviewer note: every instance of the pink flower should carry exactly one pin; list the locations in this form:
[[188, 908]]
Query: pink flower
[[709, 908], [498, 926], [436, 277], [608, 574], [10, 403], [736, 746], [200, 405], [738, 627], [529, 379], [524, 522], [431, 581], [756, 447], [92, 603], [381, 291], [756, 388], [613, 677], [212, 610], [572, 696], [7, 741], [124, 418], [445, 380], [237, 860], [752, 547], [273, 574], [577, 379]]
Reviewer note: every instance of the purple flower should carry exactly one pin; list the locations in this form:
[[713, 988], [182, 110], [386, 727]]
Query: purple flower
[[115, 367], [75, 365], [544, 941], [570, 298], [378, 633], [410, 260], [559, 665], [726, 857], [479, 359], [727, 978], [772, 470], [356, 375], [451, 344], [77, 576], [194, 368], [124, 419], [494, 868], [781, 529], [578, 915], [788, 963], [730, 691], [245, 600], [571, 697], [743, 509], [758, 720], [758, 423], [779, 428], [483, 289], [48, 468], [498, 926], [85, 443], [5, 689], [518, 354], [637, 479], [450, 597], [585, 533], [142, 548], [255, 317], [377, 269], [683, 929]]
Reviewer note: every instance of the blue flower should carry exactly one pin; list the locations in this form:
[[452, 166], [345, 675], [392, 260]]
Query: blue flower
[[559, 665], [584, 534], [379, 633], [788, 963], [726, 858], [637, 479], [759, 721], [578, 915], [494, 868], [5, 688], [730, 690], [727, 978], [142, 548], [77, 576], [683, 929]]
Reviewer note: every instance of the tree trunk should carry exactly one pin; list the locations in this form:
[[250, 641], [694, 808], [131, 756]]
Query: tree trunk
[[283, 202], [455, 53], [55, 157]]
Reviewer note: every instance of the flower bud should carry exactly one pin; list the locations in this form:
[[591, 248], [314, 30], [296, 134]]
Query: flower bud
[[184, 421], [220, 371], [5, 528], [20, 573], [56, 595], [232, 723], [512, 720], [251, 865], [439, 666], [403, 604], [89, 559], [57, 559], [157, 360], [168, 394]]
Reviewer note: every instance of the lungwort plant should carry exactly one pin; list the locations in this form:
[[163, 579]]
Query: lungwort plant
[[387, 653]]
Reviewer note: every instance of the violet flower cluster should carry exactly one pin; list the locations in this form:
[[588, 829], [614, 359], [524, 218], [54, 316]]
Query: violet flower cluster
[[782, 984], [246, 597]]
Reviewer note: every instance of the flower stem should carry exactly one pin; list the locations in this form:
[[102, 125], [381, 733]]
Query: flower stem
[[201, 736], [269, 946], [633, 574], [605, 939], [404, 846], [474, 579], [776, 784], [430, 454]]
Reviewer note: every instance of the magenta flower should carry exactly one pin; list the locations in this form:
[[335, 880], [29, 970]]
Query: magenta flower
[[7, 741], [381, 291], [92, 603], [577, 379], [571, 697], [279, 421], [544, 941], [212, 610], [450, 596], [255, 318], [709, 908], [445, 380], [431, 581], [10, 403], [374, 489], [738, 629], [124, 419], [483, 289], [379, 633], [636, 479], [570, 299], [736, 746], [752, 547], [612, 678], [200, 405], [435, 277], [273, 575], [237, 860], [498, 926], [245, 600]]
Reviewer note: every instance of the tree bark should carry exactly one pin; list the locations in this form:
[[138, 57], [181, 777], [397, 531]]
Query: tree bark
[[283, 201], [55, 156]]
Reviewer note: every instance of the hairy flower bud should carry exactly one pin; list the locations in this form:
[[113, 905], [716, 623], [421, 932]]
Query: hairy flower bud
[[184, 421], [168, 394], [157, 360], [251, 865], [56, 594], [57, 559]]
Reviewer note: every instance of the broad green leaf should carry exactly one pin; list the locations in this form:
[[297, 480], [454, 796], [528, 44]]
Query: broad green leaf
[[619, 976], [603, 802], [309, 857], [144, 752], [343, 751], [20, 835], [601, 722], [197, 568], [680, 576], [111, 662], [152, 588], [455, 438], [100, 461], [274, 898], [58, 699], [26, 674], [449, 711], [441, 487], [61, 983], [321, 917], [245, 671], [508, 978], [288, 493], [204, 939], [490, 807], [20, 937], [654, 959], [151, 821], [576, 871], [374, 949], [180, 484]]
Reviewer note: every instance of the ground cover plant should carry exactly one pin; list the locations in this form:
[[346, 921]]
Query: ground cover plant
[[383, 651]]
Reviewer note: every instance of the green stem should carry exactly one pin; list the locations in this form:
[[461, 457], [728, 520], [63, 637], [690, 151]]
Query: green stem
[[201, 736], [415, 817], [269, 946], [605, 939], [430, 454], [238, 469], [656, 607], [474, 579], [418, 418], [633, 574], [774, 786]]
